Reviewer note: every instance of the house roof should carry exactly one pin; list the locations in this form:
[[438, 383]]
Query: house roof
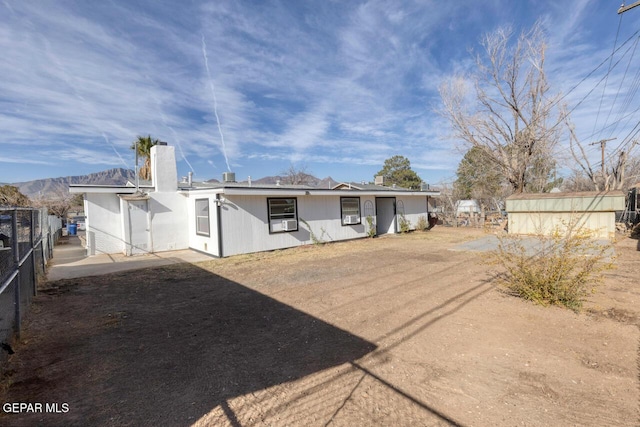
[[243, 188], [366, 186]]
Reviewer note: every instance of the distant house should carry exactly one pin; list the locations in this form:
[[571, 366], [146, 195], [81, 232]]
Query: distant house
[[467, 206], [230, 218]]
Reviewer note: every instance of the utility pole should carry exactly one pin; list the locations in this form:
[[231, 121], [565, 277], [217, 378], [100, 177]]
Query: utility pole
[[624, 8], [603, 143]]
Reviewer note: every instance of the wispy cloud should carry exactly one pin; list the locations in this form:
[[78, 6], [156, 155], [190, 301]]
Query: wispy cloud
[[322, 83]]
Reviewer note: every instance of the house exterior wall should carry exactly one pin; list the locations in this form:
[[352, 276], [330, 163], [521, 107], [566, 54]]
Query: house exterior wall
[[414, 208], [245, 223], [207, 244], [169, 221], [104, 225]]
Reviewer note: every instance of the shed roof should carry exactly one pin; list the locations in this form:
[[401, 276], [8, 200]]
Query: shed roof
[[566, 195]]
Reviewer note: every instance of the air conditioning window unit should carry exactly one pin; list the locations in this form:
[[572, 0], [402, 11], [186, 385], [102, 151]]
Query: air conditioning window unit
[[289, 225], [351, 219]]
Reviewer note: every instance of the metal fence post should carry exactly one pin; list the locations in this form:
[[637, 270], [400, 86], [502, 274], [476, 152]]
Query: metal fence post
[[16, 259], [34, 267]]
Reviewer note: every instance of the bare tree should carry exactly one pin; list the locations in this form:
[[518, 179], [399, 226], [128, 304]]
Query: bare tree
[[612, 174], [60, 203], [507, 111], [296, 175]]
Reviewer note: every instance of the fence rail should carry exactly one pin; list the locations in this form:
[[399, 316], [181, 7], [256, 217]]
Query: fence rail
[[27, 237]]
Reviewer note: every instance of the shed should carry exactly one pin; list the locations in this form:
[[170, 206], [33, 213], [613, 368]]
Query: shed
[[541, 213]]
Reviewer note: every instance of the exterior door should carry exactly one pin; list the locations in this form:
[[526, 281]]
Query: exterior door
[[139, 235], [385, 215]]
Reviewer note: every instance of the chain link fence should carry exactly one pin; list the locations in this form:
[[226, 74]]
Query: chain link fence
[[27, 237]]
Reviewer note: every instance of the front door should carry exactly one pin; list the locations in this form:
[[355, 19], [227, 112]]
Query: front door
[[385, 215], [139, 227]]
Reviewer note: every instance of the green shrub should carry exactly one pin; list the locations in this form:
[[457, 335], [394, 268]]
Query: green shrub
[[371, 229], [557, 269]]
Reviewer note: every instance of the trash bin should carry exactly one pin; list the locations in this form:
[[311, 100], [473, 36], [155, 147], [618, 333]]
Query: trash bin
[[72, 229]]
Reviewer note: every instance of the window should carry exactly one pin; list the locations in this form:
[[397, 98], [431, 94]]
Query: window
[[350, 210], [202, 217], [283, 215], [368, 209]]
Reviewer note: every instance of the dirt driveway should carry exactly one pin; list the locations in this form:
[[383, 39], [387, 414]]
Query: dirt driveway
[[397, 331]]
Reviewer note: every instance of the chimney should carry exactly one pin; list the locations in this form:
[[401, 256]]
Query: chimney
[[190, 178], [164, 174]]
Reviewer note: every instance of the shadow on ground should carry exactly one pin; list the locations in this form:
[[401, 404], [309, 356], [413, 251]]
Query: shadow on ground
[[167, 350]]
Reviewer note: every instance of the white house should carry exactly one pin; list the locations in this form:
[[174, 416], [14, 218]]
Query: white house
[[230, 218]]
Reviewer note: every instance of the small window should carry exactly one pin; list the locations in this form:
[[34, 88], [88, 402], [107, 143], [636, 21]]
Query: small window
[[350, 210], [283, 215], [202, 217]]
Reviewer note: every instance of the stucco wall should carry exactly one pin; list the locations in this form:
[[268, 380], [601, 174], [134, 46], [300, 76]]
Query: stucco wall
[[169, 221], [104, 224]]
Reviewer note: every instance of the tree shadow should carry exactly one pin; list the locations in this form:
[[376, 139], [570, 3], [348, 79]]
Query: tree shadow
[[164, 346]]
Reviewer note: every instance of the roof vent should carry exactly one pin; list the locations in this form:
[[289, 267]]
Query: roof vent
[[228, 177], [161, 143], [379, 180]]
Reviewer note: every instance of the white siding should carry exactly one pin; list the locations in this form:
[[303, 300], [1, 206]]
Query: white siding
[[414, 208], [245, 224], [104, 224], [207, 244]]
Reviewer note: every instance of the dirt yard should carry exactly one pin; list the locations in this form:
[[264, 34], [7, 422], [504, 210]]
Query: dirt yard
[[394, 331]]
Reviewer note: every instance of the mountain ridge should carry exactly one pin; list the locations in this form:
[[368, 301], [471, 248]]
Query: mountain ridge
[[52, 187]]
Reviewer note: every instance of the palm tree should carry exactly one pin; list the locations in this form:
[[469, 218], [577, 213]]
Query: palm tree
[[144, 144]]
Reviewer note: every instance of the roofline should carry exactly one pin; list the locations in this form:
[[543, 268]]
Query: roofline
[[105, 189], [582, 194], [254, 191]]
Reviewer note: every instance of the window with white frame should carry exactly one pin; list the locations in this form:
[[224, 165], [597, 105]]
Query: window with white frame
[[283, 214], [350, 210], [202, 217]]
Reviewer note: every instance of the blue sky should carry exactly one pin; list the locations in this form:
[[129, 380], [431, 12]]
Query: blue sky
[[257, 86]]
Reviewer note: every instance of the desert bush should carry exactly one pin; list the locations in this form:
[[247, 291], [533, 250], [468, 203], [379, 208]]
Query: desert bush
[[371, 229], [405, 224], [560, 268], [422, 224]]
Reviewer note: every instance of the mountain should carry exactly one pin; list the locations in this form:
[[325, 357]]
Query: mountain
[[307, 179], [51, 187]]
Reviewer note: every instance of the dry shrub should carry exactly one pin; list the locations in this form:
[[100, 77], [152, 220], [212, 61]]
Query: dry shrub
[[560, 268], [422, 224]]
